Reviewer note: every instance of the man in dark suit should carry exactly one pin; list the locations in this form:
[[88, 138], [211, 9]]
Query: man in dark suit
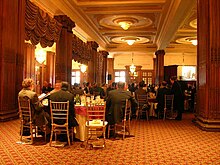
[[178, 102], [115, 103], [64, 95], [162, 91]]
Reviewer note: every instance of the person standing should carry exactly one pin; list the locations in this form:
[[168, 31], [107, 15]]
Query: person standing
[[162, 91], [178, 102]]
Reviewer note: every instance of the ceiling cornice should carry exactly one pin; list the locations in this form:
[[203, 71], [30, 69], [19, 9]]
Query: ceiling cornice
[[170, 22]]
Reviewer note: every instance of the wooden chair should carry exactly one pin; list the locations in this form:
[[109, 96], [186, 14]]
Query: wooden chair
[[142, 100], [26, 118], [95, 123], [59, 120], [125, 126], [168, 106]]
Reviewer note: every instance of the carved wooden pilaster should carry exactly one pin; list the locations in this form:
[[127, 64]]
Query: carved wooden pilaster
[[155, 70], [50, 71], [110, 69], [160, 66], [104, 64], [208, 61], [93, 63], [29, 61], [63, 66], [11, 56]]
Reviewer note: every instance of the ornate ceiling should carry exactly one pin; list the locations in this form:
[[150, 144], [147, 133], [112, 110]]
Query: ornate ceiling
[[153, 24]]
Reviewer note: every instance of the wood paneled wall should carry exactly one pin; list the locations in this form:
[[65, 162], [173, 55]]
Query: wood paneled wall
[[11, 55], [208, 97]]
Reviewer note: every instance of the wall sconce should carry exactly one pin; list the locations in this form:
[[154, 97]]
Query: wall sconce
[[83, 68], [40, 56]]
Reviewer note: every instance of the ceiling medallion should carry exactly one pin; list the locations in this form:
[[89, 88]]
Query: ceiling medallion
[[193, 23], [187, 40], [125, 21], [130, 40]]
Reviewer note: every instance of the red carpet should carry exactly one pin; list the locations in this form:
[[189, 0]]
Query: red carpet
[[154, 142]]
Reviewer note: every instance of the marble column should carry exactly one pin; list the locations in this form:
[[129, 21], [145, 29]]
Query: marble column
[[63, 68], [159, 66], [208, 63]]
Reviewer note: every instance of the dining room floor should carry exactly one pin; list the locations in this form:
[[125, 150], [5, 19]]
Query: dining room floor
[[151, 142]]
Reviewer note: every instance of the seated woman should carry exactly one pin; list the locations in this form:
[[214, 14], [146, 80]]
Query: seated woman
[[40, 118]]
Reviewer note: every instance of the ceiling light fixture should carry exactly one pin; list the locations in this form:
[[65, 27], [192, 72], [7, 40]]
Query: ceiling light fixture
[[194, 42], [132, 67], [130, 40], [125, 24]]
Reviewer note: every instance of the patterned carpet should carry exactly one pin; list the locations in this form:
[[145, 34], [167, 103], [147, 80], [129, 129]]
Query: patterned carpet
[[154, 142]]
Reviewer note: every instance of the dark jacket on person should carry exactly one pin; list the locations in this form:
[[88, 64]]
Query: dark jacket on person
[[40, 117], [178, 102], [63, 96], [140, 91], [115, 103], [162, 91]]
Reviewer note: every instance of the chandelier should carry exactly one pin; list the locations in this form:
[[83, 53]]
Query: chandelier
[[132, 67]]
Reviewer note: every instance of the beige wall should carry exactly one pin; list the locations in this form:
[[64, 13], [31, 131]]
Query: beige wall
[[146, 61]]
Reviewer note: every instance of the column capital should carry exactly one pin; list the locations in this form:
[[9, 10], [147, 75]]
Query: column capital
[[93, 44], [65, 21], [160, 52], [104, 53]]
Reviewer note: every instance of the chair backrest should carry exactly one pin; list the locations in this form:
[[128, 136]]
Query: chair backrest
[[127, 113], [96, 111], [59, 112], [141, 99], [168, 102], [24, 106]]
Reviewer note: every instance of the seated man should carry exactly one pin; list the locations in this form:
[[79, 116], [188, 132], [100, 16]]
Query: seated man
[[114, 107], [64, 95], [40, 117], [162, 91]]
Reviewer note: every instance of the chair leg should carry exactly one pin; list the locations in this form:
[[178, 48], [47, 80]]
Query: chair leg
[[21, 131], [108, 130], [68, 136], [164, 114], [51, 136], [31, 132]]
